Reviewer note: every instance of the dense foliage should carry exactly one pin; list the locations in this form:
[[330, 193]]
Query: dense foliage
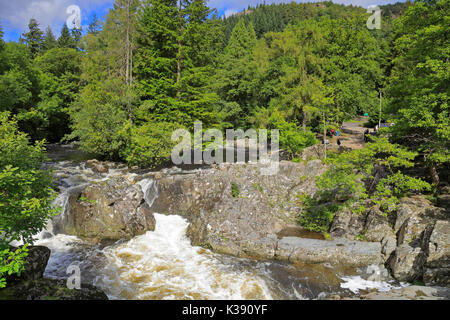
[[25, 193], [372, 175]]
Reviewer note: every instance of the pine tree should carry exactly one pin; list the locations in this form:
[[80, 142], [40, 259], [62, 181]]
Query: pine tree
[[236, 78], [49, 41], [76, 36], [33, 38], [95, 25], [65, 40]]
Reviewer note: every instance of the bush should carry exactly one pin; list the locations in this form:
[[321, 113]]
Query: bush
[[317, 217], [292, 138], [354, 176], [151, 144], [25, 193]]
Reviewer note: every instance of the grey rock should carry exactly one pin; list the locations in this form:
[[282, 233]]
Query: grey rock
[[438, 262], [34, 263], [377, 226], [347, 225], [407, 263], [411, 293], [110, 210], [49, 289], [337, 252]]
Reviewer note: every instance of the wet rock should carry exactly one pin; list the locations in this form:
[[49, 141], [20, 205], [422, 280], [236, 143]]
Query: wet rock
[[411, 293], [97, 166], [49, 289], [437, 267], [109, 210]]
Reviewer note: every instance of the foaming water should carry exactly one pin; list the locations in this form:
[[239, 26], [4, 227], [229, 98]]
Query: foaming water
[[164, 265]]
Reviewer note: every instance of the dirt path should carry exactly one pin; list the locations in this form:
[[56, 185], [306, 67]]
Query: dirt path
[[352, 133]]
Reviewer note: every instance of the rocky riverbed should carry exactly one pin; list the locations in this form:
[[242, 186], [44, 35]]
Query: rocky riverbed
[[122, 227]]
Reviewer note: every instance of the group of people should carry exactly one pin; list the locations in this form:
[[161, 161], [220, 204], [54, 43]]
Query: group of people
[[331, 134]]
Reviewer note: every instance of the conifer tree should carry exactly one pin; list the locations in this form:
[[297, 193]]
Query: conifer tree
[[65, 40], [49, 41], [236, 81], [33, 38]]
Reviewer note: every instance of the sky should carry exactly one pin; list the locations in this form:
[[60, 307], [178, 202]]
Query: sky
[[15, 14]]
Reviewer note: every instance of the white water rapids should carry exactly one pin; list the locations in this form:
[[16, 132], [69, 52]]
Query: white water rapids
[[164, 265]]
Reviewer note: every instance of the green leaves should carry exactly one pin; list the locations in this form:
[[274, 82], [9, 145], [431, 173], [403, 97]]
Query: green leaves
[[11, 262], [418, 88], [25, 194], [372, 173]]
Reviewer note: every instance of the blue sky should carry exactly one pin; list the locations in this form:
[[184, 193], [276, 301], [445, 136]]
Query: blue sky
[[15, 14]]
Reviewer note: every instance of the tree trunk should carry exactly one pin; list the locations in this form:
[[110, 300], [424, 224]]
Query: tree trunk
[[434, 175], [324, 136], [304, 121], [180, 45]]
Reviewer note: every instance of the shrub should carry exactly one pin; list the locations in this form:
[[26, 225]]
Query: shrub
[[352, 177], [151, 144], [25, 194]]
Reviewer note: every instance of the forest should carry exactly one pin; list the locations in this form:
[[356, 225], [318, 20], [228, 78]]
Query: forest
[[120, 88]]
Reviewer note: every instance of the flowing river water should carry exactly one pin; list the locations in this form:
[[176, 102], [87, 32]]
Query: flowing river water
[[164, 265]]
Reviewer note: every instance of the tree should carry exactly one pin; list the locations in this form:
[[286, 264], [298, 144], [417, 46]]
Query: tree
[[2, 50], [60, 84], [372, 174], [236, 77], [25, 194], [174, 60], [76, 36], [103, 110], [33, 38], [19, 87], [95, 25], [418, 91], [49, 41], [65, 40]]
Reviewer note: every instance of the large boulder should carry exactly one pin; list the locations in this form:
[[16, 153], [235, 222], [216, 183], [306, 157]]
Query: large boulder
[[337, 252], [347, 225], [407, 263], [437, 266], [422, 239], [377, 229], [109, 210], [415, 215]]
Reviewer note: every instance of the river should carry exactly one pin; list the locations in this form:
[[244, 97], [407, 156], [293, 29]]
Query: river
[[164, 265]]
